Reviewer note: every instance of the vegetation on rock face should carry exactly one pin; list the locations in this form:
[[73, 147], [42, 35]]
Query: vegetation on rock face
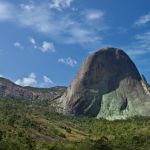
[[33, 126]]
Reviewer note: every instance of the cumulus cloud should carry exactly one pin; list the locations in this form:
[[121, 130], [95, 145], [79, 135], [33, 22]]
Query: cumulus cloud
[[143, 20], [18, 45], [68, 61], [27, 81], [47, 47], [1, 75], [60, 4], [31, 80]]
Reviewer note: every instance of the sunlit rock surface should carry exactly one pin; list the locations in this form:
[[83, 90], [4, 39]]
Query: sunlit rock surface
[[108, 85]]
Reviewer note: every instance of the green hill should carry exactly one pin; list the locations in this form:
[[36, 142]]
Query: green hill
[[34, 126]]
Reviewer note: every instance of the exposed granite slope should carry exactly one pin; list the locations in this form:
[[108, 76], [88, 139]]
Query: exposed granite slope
[[108, 85]]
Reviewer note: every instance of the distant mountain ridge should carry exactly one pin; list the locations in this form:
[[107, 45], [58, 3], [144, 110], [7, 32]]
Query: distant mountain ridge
[[12, 91], [108, 85]]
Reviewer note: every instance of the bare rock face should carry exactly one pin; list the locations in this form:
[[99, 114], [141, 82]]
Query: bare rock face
[[12, 91], [108, 85]]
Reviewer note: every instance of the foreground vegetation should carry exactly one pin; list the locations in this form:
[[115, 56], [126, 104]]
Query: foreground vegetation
[[32, 126]]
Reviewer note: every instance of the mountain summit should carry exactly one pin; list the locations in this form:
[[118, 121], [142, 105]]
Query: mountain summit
[[108, 85]]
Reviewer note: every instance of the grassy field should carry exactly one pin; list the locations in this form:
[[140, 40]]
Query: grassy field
[[33, 126]]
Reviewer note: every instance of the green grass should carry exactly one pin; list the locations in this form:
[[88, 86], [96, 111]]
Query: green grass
[[33, 126]]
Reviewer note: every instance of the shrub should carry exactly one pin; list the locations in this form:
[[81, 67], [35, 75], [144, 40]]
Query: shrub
[[102, 144]]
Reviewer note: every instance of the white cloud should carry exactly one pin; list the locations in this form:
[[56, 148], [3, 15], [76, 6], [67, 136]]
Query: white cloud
[[47, 47], [27, 81], [6, 11], [136, 52], [144, 38], [143, 41], [140, 46], [35, 19], [31, 80], [18, 45], [47, 80], [143, 20], [1, 75], [68, 61], [60, 4], [28, 7], [63, 27], [93, 14], [33, 42], [81, 35]]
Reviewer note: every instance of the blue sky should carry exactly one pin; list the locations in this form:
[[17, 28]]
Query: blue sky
[[43, 43]]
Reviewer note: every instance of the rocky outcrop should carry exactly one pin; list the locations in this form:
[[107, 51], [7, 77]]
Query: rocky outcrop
[[108, 85], [12, 91]]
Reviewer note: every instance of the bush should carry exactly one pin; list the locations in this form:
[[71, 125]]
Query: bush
[[102, 144], [68, 129]]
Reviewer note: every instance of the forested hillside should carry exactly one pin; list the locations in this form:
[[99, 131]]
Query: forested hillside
[[33, 126]]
